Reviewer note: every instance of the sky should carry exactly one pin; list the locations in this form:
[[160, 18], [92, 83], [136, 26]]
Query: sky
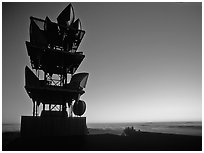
[[144, 60]]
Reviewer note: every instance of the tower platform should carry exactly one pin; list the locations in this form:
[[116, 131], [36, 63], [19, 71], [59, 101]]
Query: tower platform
[[32, 126]]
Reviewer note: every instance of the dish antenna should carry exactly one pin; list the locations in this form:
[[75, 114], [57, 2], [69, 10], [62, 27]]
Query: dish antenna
[[66, 17]]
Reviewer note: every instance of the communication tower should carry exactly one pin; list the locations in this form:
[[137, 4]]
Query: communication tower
[[55, 85]]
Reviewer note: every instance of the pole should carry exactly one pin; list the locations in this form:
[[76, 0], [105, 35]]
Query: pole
[[33, 108], [36, 110], [43, 106]]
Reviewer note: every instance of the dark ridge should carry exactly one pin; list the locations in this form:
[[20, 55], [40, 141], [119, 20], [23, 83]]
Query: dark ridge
[[143, 141], [186, 126]]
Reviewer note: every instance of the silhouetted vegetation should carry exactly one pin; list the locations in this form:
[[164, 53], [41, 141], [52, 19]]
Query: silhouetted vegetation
[[129, 131]]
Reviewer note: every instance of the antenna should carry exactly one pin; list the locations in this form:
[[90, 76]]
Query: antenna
[[53, 53]]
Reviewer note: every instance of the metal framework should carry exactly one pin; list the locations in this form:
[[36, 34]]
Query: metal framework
[[53, 52]]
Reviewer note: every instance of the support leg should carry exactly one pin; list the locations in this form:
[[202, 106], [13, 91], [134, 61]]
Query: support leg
[[33, 108], [36, 109], [49, 107], [43, 107]]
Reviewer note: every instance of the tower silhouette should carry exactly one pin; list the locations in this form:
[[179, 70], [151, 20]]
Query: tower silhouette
[[54, 56]]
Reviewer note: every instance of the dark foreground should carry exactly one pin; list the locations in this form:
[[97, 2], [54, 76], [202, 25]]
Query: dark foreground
[[143, 141]]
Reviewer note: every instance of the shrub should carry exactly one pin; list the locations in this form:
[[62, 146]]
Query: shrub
[[129, 131]]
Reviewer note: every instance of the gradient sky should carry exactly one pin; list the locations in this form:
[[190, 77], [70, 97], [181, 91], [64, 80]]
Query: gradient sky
[[144, 60]]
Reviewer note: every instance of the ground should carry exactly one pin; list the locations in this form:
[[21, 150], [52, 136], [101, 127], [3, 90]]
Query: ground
[[144, 141]]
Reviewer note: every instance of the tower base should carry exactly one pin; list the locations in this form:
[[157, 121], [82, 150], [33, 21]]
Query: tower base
[[32, 126]]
